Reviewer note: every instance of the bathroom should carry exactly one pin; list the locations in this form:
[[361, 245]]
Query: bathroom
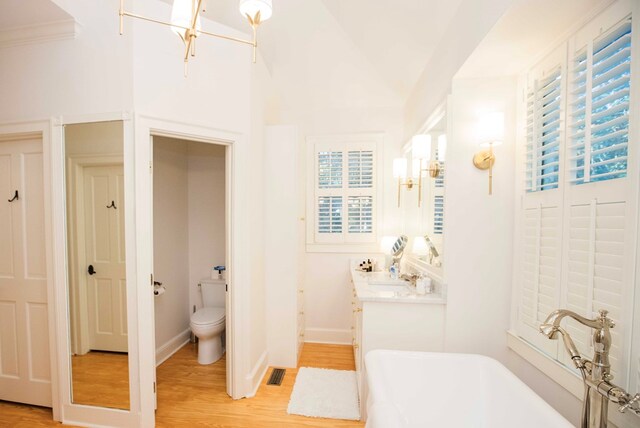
[[189, 237], [358, 123]]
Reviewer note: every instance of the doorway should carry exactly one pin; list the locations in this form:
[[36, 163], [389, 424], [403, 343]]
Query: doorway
[[190, 230]]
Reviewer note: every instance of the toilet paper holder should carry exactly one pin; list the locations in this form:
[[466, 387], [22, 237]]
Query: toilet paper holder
[[158, 289]]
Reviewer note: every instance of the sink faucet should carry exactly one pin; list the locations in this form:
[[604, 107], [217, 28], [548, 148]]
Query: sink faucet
[[596, 373], [410, 278]]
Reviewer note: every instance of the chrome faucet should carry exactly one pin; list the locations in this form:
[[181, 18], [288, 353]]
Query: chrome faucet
[[596, 373]]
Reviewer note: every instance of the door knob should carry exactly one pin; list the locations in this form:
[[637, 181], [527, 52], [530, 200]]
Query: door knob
[[91, 270]]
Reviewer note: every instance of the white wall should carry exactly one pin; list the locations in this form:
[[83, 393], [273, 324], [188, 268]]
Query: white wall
[[472, 22], [207, 225], [479, 228], [327, 293], [170, 239], [188, 229]]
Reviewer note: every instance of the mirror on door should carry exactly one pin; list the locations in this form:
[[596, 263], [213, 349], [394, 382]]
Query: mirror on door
[[96, 264]]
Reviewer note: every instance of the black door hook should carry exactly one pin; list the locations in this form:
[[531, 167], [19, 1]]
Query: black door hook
[[113, 205], [15, 197], [91, 271]]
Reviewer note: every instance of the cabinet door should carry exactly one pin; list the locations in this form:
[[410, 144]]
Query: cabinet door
[[24, 331]]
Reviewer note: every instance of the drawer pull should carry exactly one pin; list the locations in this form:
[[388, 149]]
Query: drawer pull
[[301, 313], [357, 310], [355, 346], [300, 291]]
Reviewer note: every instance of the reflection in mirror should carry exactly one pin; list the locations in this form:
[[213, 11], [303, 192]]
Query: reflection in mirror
[[96, 268], [425, 224], [397, 251]]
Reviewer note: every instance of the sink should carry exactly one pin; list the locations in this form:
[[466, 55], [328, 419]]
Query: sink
[[396, 286], [384, 279]]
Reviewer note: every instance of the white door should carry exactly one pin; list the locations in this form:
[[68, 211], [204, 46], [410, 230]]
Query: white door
[[105, 257], [24, 332]]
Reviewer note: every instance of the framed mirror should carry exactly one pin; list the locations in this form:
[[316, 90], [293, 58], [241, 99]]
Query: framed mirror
[[95, 208]]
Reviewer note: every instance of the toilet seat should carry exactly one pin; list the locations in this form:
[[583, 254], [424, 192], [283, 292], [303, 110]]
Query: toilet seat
[[208, 316]]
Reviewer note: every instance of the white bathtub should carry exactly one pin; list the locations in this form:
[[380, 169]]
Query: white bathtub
[[424, 389]]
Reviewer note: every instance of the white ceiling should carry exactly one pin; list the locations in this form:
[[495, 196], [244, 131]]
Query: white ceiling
[[388, 41], [21, 13], [521, 34]]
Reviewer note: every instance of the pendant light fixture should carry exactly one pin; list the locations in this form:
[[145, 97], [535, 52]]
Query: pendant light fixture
[[185, 22]]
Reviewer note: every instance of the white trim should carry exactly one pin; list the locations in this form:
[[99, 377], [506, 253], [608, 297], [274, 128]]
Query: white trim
[[71, 413], [344, 242], [171, 346], [331, 336], [43, 129], [39, 33], [256, 375], [237, 252], [559, 373]]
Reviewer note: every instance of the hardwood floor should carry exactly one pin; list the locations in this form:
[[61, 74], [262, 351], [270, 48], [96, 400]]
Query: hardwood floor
[[96, 372], [191, 395]]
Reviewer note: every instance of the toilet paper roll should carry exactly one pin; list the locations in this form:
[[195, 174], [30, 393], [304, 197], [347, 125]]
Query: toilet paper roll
[[159, 291]]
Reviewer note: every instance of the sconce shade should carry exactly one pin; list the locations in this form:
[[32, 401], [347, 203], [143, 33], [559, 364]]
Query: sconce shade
[[442, 147], [416, 168], [491, 128], [420, 246], [252, 7], [400, 168], [386, 243], [182, 14], [421, 146]]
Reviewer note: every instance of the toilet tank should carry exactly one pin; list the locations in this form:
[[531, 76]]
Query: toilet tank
[[213, 292]]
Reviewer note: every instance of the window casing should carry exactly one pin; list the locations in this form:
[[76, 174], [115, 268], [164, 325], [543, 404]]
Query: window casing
[[344, 196]]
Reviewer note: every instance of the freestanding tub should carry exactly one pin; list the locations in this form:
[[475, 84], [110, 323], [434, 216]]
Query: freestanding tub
[[425, 389]]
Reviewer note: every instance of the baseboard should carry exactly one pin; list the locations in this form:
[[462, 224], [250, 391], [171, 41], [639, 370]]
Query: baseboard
[[171, 346], [254, 379], [328, 336]]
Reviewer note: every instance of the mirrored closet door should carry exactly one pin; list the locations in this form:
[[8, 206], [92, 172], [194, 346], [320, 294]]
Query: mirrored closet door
[[96, 264]]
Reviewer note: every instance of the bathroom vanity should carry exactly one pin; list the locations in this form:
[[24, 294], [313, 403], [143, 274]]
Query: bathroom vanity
[[388, 314]]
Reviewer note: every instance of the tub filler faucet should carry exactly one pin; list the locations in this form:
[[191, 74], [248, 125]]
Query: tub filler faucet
[[598, 390]]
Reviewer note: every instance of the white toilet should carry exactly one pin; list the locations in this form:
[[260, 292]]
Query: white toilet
[[208, 323]]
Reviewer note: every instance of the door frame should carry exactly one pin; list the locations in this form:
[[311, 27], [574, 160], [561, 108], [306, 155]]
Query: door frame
[[237, 250], [67, 411], [42, 129], [78, 313]]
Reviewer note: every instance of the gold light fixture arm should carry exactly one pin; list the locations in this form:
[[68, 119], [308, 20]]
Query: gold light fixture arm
[[434, 171], [191, 32], [484, 160]]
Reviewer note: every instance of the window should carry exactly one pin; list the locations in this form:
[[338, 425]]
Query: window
[[345, 198], [544, 101], [578, 219]]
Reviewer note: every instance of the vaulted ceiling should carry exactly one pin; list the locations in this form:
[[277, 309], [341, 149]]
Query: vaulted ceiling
[[373, 49]]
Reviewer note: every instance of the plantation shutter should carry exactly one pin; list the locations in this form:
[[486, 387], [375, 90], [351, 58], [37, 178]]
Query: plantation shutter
[[544, 132], [345, 192], [595, 263], [540, 273], [601, 78]]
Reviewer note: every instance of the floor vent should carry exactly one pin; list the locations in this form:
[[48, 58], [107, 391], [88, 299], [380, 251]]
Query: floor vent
[[276, 377]]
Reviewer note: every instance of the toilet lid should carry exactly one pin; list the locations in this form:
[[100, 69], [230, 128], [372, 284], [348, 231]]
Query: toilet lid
[[208, 316]]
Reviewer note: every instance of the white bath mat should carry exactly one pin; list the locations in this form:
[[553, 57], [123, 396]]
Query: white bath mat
[[324, 393]]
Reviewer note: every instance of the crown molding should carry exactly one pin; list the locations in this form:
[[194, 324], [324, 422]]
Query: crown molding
[[39, 33]]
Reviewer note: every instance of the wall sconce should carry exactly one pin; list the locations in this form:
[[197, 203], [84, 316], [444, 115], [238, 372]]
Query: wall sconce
[[421, 153], [491, 132], [400, 173]]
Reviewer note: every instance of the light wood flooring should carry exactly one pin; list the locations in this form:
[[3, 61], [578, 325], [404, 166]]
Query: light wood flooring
[[97, 372], [191, 395]]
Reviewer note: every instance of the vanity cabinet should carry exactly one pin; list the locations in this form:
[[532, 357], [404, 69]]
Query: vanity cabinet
[[396, 320]]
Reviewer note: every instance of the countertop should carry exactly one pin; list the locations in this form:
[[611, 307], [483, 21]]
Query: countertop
[[379, 287]]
